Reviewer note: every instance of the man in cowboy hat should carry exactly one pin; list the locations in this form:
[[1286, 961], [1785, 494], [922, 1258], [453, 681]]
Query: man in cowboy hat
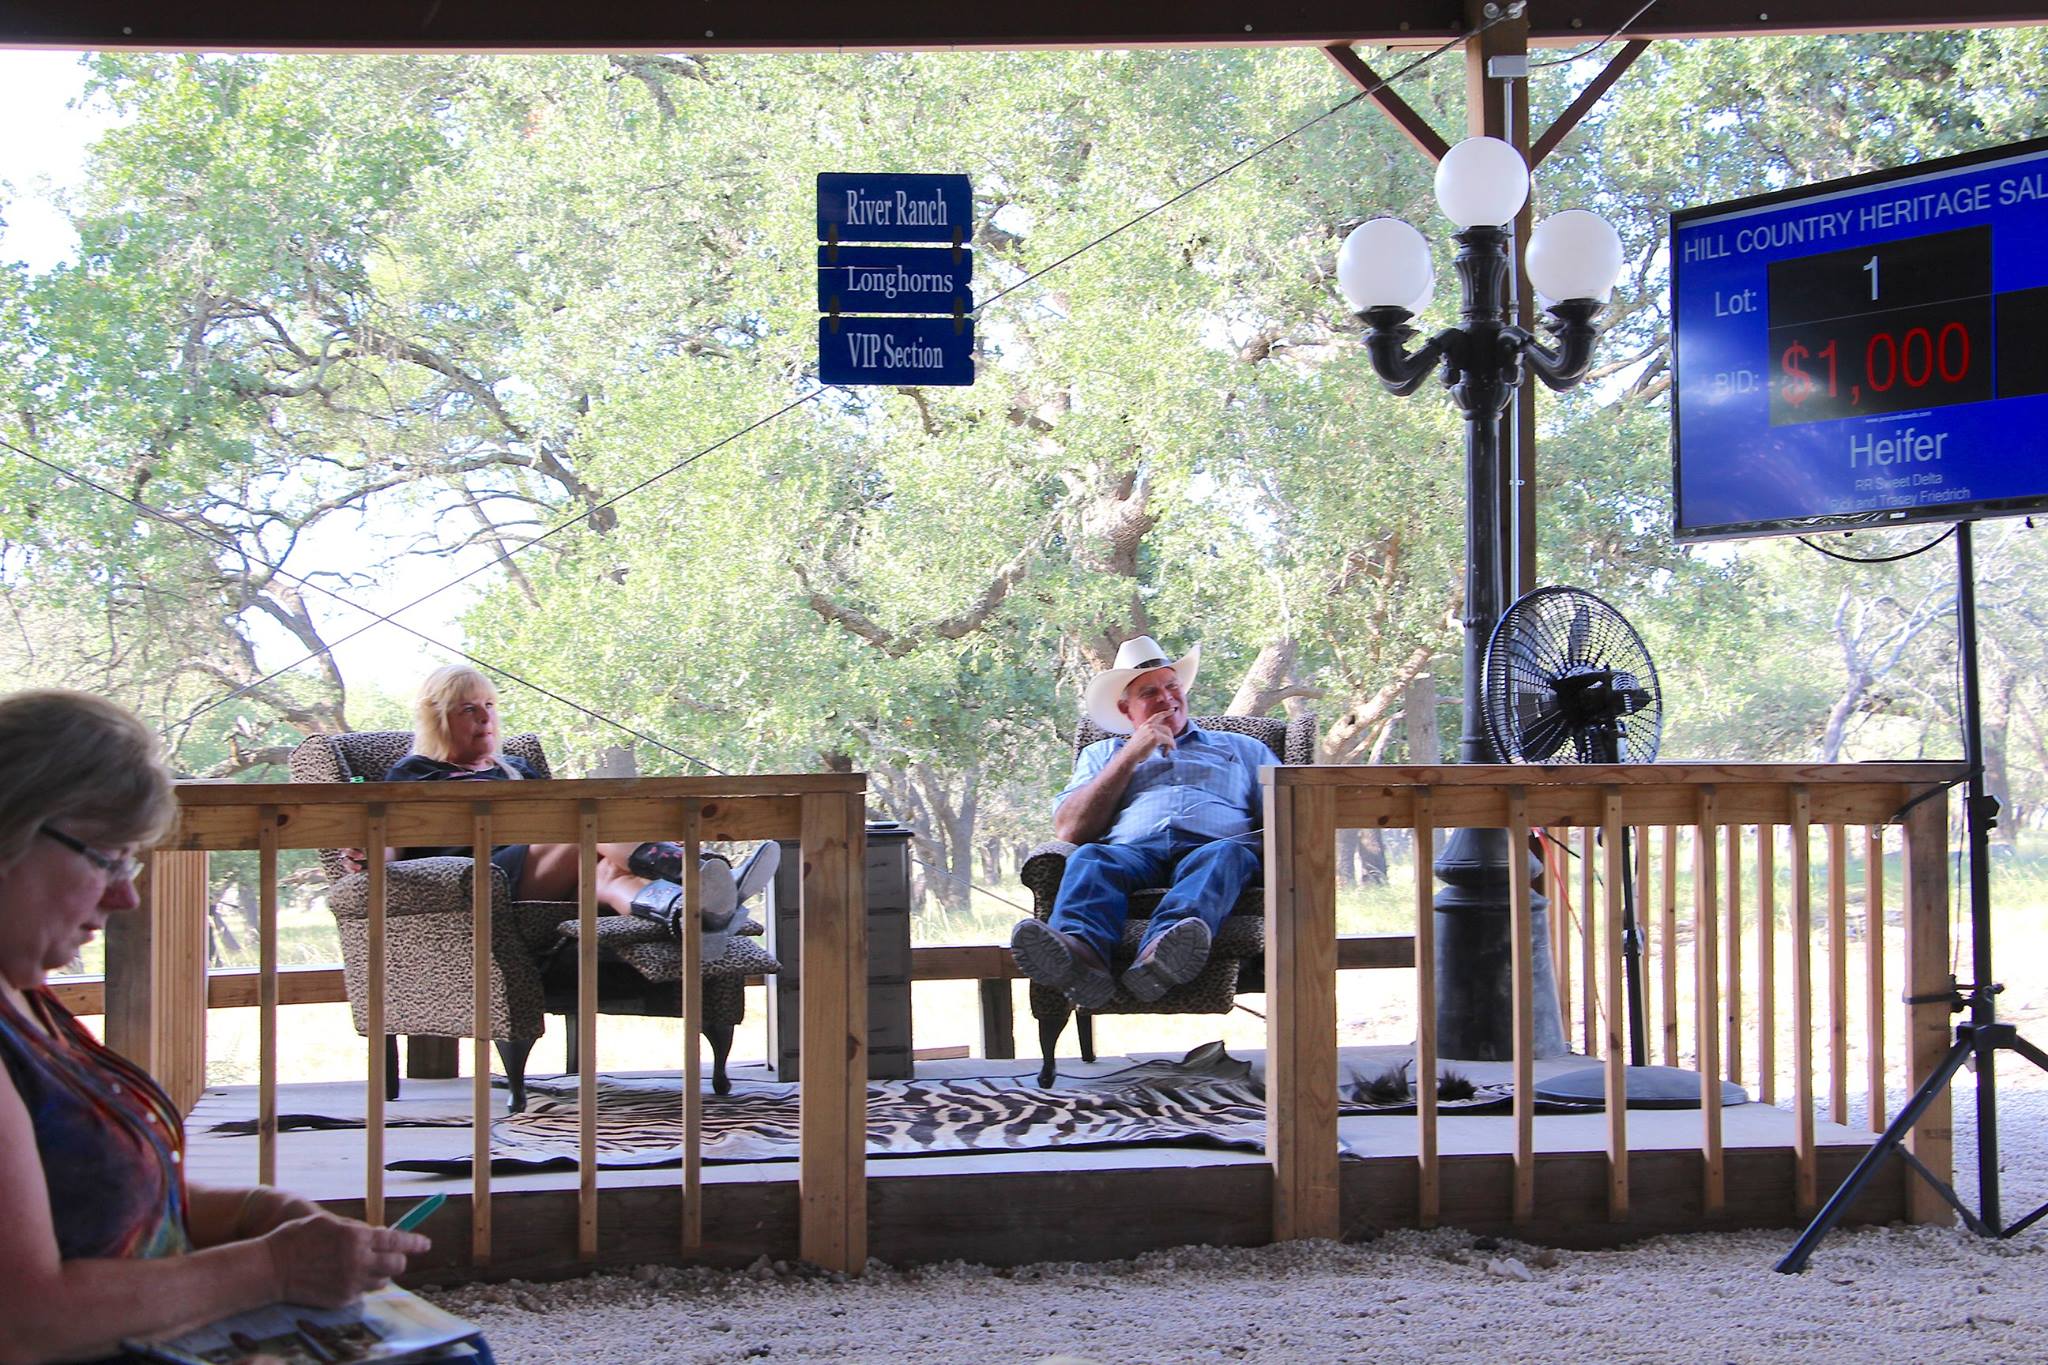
[[1160, 803]]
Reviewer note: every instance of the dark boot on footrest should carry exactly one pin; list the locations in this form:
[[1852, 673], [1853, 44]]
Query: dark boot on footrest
[[658, 861], [662, 902]]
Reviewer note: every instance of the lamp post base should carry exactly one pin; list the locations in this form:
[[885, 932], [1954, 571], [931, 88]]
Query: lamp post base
[[1475, 1015]]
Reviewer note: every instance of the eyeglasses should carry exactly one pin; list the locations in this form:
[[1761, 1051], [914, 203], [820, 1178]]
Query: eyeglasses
[[116, 869]]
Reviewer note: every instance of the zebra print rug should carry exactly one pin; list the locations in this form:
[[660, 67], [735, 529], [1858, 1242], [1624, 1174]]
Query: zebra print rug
[[1207, 1099]]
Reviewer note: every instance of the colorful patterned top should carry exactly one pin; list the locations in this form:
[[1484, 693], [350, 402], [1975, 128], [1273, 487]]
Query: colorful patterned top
[[112, 1144]]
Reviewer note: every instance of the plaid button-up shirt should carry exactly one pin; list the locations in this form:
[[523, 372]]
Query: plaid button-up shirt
[[1208, 787]]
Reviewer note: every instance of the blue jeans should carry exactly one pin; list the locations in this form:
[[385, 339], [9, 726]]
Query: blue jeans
[[1204, 879]]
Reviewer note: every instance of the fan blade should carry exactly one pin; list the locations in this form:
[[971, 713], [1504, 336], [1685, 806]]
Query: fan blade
[[1524, 662], [1543, 735], [1581, 631]]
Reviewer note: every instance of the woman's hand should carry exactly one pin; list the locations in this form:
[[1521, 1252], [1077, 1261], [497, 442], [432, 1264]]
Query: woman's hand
[[325, 1262]]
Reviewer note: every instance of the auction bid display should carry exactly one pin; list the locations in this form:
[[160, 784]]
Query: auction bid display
[[1864, 352]]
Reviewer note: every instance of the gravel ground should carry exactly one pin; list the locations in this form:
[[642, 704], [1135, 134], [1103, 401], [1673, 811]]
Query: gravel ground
[[1879, 1294]]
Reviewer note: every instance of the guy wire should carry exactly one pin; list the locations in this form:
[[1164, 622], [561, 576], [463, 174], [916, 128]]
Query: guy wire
[[757, 424], [289, 577]]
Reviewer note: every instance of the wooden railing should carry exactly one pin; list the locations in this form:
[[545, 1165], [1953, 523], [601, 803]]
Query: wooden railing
[[1707, 806], [157, 988]]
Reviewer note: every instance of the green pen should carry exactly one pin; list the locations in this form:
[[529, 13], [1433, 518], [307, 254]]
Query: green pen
[[420, 1212]]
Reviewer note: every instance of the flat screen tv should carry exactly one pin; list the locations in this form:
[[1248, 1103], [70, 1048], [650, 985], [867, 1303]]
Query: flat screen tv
[[1866, 352]]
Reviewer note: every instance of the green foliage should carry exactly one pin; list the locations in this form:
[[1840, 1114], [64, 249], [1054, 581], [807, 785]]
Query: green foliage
[[377, 318]]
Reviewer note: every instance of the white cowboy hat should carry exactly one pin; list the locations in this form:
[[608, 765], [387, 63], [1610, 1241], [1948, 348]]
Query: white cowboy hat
[[1141, 654]]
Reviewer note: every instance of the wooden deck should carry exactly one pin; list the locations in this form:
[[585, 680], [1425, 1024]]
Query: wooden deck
[[1577, 1179], [1010, 1208]]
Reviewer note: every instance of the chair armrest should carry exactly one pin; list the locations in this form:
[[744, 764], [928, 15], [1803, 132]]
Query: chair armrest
[[1042, 870], [417, 886]]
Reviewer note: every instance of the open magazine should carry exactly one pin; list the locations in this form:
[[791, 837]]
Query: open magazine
[[388, 1324]]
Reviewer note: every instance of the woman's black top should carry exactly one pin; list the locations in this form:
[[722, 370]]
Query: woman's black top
[[420, 768]]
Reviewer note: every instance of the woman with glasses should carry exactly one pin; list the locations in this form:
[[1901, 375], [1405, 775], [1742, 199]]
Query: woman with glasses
[[102, 1238], [455, 739]]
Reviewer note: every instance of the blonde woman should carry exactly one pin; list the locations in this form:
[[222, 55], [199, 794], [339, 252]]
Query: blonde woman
[[456, 738], [102, 1238]]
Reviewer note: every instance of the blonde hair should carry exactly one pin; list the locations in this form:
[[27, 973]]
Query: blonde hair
[[74, 757], [445, 689]]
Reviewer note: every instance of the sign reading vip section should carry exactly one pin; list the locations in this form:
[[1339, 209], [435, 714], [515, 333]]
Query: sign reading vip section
[[858, 281], [1864, 352], [895, 351]]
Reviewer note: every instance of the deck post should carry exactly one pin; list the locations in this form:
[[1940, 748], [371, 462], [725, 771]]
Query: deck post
[[833, 959], [156, 977], [1932, 1140], [1301, 1020]]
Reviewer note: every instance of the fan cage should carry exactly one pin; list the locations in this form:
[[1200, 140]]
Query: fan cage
[[1549, 645]]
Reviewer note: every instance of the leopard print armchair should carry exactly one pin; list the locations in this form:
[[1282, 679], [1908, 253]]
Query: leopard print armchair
[[428, 948], [1238, 952]]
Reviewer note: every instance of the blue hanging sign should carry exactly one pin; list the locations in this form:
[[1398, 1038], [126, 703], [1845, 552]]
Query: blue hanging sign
[[895, 351], [894, 208], [895, 279]]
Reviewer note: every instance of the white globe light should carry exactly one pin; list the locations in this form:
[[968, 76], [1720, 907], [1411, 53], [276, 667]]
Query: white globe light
[[1421, 300], [1482, 182], [1384, 263], [1574, 255]]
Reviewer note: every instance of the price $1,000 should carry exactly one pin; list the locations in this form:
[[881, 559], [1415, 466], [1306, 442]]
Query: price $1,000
[[1922, 355]]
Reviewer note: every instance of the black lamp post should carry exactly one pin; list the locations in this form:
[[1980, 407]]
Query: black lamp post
[[1384, 270]]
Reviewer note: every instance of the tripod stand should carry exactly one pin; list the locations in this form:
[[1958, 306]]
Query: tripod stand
[[1983, 1038]]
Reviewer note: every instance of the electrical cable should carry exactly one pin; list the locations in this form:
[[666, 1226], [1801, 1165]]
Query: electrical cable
[[751, 427], [381, 618], [557, 529], [1248, 157], [219, 543], [1589, 51], [1874, 559], [970, 884]]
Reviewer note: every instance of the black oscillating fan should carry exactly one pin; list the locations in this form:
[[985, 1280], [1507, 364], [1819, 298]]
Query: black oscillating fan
[[1568, 680]]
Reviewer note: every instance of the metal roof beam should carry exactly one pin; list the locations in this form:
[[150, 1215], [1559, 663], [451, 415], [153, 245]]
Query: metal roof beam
[[815, 25]]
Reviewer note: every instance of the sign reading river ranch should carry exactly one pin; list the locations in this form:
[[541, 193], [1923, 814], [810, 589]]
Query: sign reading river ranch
[[895, 279]]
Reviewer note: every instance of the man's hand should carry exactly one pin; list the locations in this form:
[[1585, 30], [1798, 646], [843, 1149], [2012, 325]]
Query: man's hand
[[1154, 735]]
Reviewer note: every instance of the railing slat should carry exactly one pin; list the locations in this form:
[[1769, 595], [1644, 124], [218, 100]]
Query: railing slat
[[1873, 971], [1838, 973], [1649, 943], [586, 1030], [1806, 1156], [1429, 1195], [266, 998], [480, 958], [1732, 942], [692, 985], [376, 833], [1668, 931], [1616, 1056], [1523, 949], [1713, 1188], [1766, 964], [1557, 881], [1589, 941]]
